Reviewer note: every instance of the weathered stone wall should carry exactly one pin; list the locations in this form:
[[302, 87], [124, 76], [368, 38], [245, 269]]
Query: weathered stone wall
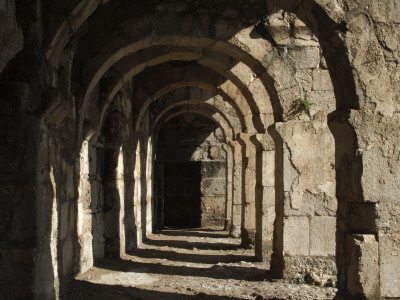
[[191, 138], [309, 204], [19, 155], [63, 63], [366, 139]]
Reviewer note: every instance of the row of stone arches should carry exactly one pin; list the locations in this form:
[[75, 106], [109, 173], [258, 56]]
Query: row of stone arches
[[254, 153], [284, 158]]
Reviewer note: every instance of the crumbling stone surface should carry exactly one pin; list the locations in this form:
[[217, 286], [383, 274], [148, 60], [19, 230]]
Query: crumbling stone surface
[[363, 273], [389, 263], [312, 270]]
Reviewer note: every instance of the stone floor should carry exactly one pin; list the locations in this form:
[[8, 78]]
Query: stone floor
[[189, 264]]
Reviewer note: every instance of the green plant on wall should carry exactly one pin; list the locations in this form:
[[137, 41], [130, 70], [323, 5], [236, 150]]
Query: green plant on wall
[[305, 104]]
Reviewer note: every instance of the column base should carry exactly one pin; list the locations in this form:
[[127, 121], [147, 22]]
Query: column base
[[228, 225], [320, 271], [248, 237], [234, 231], [263, 250]]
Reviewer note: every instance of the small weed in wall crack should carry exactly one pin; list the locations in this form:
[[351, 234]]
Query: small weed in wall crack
[[305, 104]]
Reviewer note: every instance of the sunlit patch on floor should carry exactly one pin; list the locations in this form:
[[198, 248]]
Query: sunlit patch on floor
[[124, 278]]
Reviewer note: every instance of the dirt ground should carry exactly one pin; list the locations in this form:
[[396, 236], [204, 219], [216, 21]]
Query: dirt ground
[[189, 264]]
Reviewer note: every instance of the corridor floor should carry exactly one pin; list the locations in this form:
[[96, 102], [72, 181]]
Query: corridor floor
[[189, 264]]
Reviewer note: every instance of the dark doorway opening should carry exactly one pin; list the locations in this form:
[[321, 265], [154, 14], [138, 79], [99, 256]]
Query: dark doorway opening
[[182, 195]]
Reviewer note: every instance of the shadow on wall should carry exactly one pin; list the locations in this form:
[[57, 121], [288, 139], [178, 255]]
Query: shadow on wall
[[182, 197], [191, 177]]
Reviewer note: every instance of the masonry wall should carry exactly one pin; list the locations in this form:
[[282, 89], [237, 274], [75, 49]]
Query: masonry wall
[[191, 141]]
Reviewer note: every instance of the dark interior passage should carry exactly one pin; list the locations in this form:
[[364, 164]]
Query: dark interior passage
[[182, 197], [191, 174]]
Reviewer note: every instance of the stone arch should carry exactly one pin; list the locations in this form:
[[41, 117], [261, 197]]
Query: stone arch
[[193, 106], [227, 88], [203, 95], [215, 209], [258, 87], [315, 14], [233, 51]]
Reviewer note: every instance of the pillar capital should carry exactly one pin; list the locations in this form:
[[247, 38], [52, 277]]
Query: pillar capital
[[227, 147], [263, 142], [233, 144], [244, 141], [243, 137]]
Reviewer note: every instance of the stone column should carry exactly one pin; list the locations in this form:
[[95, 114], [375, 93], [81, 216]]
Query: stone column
[[96, 212], [265, 194], [137, 203], [149, 187], [248, 229], [236, 189], [368, 189], [309, 204], [229, 186], [129, 219]]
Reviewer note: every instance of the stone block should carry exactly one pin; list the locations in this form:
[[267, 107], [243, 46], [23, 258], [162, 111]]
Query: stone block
[[250, 193], [322, 100], [278, 28], [71, 217], [382, 182], [7, 195], [212, 204], [212, 211], [311, 204], [265, 196], [11, 38], [362, 265], [314, 270], [250, 216], [289, 171], [213, 186], [214, 152], [243, 72], [322, 236], [388, 217], [362, 217], [306, 43], [322, 80], [305, 58], [268, 215], [70, 182], [255, 45], [16, 267], [261, 96], [383, 11], [296, 236], [248, 237], [234, 231], [389, 261], [301, 31], [268, 174], [64, 220], [237, 209], [67, 256], [213, 169], [282, 72], [111, 221]]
